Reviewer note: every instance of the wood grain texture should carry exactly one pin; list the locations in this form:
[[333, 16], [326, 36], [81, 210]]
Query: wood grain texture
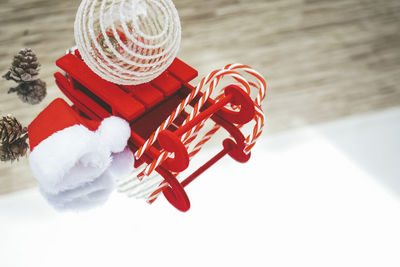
[[323, 59]]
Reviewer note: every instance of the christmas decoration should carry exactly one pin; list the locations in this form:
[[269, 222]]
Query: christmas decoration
[[25, 71], [31, 92], [24, 68], [161, 125], [13, 151], [150, 185], [65, 154], [13, 139], [128, 41], [10, 130], [125, 82]]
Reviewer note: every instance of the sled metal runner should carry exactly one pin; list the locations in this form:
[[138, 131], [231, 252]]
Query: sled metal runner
[[146, 106]]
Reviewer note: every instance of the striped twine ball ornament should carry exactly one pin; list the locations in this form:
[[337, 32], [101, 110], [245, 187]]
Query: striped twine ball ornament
[[128, 42]]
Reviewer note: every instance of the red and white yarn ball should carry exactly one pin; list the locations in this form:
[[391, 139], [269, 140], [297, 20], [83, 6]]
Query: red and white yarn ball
[[128, 41]]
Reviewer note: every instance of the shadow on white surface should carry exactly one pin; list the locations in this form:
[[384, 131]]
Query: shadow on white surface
[[311, 197], [372, 141]]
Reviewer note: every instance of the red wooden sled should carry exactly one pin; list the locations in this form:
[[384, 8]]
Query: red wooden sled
[[146, 106]]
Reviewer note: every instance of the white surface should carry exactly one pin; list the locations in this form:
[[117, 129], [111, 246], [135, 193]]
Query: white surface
[[324, 196]]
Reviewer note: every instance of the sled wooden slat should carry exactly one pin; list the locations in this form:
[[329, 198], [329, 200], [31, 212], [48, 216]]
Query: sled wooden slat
[[145, 93], [182, 71], [90, 108], [122, 104], [166, 83]]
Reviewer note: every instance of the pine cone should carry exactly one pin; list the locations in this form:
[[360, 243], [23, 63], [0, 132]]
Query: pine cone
[[15, 150], [31, 92], [24, 68], [10, 130]]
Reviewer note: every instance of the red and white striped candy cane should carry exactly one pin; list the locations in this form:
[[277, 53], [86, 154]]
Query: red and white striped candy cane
[[230, 71], [250, 140], [173, 116], [216, 77], [153, 196]]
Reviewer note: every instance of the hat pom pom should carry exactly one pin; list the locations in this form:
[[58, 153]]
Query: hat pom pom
[[114, 132]]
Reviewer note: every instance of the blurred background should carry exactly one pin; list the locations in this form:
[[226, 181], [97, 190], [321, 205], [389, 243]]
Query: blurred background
[[323, 60], [331, 139]]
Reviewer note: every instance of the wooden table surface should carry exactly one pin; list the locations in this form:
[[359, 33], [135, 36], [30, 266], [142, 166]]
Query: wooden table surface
[[322, 59]]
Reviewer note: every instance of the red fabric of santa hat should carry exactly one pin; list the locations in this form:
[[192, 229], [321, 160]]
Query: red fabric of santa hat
[[69, 151]]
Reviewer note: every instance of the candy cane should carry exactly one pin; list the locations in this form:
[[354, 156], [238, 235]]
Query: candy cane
[[196, 111], [153, 196], [173, 116], [229, 70], [212, 79], [250, 140]]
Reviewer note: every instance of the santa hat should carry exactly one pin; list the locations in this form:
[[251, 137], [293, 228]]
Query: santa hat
[[68, 151]]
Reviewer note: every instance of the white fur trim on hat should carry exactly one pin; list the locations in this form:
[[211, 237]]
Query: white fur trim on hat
[[122, 164], [69, 158], [95, 193], [84, 197], [114, 132]]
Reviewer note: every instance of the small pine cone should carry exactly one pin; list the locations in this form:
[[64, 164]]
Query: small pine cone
[[31, 92], [24, 68], [10, 130], [15, 150]]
